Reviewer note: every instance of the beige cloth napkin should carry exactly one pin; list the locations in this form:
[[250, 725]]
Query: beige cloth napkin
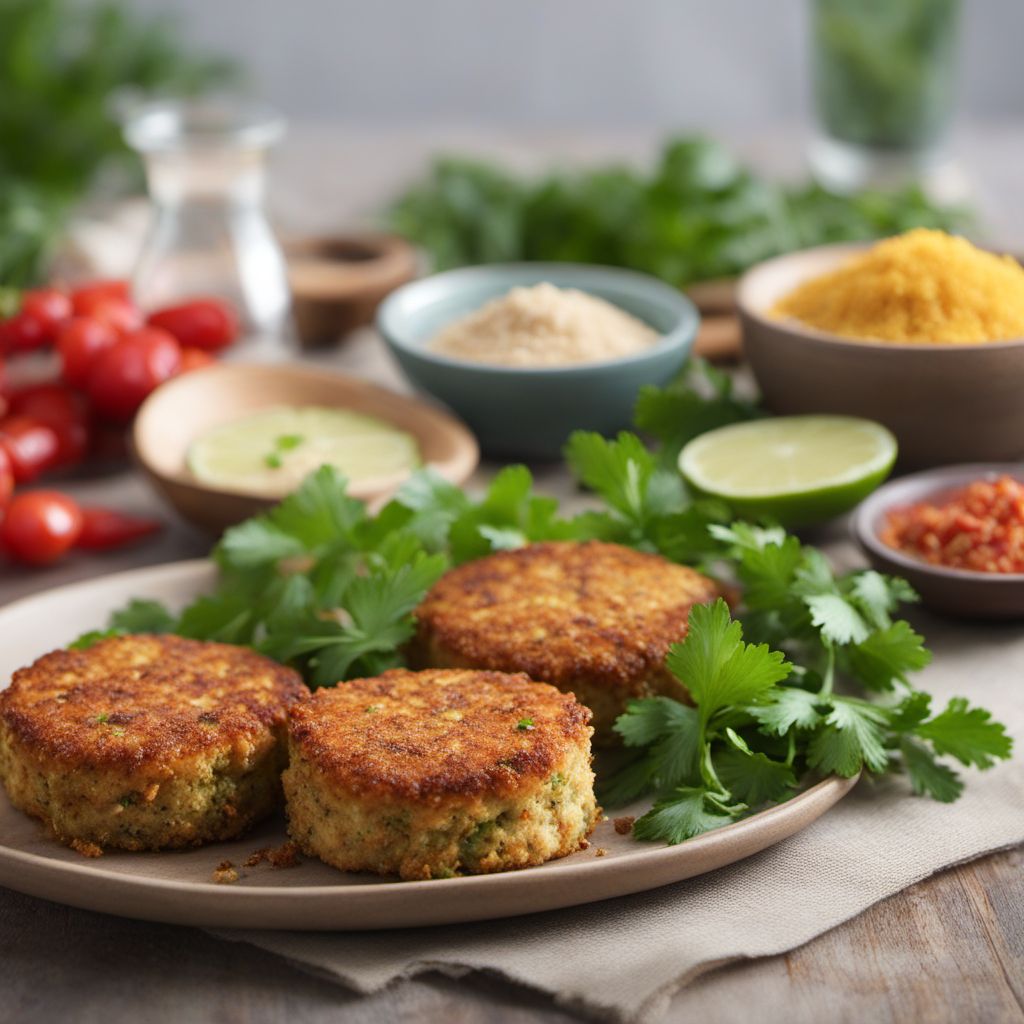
[[622, 959]]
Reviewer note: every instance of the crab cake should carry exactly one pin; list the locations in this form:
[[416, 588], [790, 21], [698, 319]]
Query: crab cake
[[593, 619], [147, 742], [438, 773]]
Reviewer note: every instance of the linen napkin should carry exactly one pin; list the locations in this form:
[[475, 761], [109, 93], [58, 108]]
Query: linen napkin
[[622, 959]]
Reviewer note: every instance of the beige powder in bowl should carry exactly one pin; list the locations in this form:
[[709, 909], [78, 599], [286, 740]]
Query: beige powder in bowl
[[544, 326]]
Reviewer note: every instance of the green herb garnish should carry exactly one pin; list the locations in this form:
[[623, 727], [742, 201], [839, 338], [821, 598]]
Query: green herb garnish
[[286, 442], [272, 460], [698, 214], [811, 678], [759, 723]]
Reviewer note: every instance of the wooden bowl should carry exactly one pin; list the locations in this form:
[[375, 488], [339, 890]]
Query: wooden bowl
[[338, 281], [944, 403], [959, 592], [178, 412]]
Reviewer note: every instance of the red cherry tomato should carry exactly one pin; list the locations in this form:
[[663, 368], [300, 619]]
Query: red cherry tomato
[[50, 307], [85, 294], [104, 528], [40, 526], [23, 332], [80, 342], [61, 409], [124, 375], [32, 446], [6, 477], [117, 313], [195, 359], [47, 402], [209, 324]]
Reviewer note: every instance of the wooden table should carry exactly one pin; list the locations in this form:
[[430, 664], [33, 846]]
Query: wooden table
[[950, 949]]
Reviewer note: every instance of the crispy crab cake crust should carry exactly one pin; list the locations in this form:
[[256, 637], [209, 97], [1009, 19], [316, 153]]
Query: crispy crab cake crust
[[438, 773], [147, 742], [593, 619]]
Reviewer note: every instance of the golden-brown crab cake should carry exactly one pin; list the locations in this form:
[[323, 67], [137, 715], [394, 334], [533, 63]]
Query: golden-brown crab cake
[[147, 742], [440, 773], [593, 619]]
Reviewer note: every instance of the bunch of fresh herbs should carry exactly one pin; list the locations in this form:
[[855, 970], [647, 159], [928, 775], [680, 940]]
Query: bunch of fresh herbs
[[697, 215], [821, 684], [62, 65]]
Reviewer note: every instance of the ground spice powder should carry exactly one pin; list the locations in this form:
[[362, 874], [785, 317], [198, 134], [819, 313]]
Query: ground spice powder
[[921, 287]]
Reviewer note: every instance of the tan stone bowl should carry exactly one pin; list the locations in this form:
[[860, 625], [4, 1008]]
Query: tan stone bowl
[[945, 403]]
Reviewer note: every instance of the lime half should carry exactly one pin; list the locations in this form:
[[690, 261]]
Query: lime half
[[796, 469], [270, 452]]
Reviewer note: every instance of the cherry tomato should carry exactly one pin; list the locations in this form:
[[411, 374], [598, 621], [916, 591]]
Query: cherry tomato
[[124, 375], [6, 477], [40, 526], [195, 359], [80, 342], [104, 528], [85, 294], [23, 332], [209, 324], [47, 402], [118, 313], [32, 446], [61, 409], [50, 307]]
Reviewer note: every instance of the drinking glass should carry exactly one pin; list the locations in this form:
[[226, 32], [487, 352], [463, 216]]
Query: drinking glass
[[883, 74]]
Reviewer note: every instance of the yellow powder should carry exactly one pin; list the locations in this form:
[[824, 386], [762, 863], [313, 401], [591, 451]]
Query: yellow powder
[[924, 286], [544, 326]]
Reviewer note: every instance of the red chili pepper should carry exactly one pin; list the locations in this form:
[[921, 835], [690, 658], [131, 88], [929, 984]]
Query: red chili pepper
[[105, 528]]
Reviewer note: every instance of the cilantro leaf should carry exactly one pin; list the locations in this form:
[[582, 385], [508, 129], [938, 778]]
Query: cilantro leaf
[[877, 595], [787, 707], [886, 656], [681, 816], [623, 472], [645, 721], [927, 776], [838, 620], [139, 616], [319, 514], [968, 734], [716, 667], [91, 638], [752, 777], [699, 400], [851, 737]]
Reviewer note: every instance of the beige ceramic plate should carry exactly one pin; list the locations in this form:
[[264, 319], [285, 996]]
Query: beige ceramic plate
[[178, 412], [177, 887]]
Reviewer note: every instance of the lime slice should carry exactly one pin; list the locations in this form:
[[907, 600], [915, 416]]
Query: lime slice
[[272, 451], [796, 469]]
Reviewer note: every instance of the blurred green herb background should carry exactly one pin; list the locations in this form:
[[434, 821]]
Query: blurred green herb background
[[62, 65], [698, 214]]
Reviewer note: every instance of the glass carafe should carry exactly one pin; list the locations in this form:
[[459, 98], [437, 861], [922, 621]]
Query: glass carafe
[[206, 172]]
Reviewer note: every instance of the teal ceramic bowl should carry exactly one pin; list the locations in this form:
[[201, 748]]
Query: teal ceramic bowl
[[529, 413]]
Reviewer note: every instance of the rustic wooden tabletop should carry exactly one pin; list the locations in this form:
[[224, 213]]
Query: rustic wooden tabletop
[[949, 949]]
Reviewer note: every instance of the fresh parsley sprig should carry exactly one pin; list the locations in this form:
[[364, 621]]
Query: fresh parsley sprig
[[759, 724]]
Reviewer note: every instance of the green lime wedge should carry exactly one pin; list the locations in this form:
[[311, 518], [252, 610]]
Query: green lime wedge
[[799, 470], [272, 451]]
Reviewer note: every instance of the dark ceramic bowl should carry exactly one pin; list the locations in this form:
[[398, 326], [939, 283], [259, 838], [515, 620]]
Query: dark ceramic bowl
[[976, 595], [946, 404]]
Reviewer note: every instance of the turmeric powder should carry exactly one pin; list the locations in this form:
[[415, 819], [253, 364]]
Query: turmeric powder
[[921, 287]]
